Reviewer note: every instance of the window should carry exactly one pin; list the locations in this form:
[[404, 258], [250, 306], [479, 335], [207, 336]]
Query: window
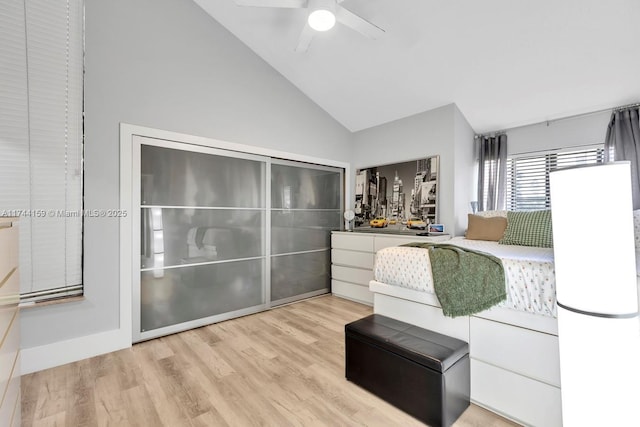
[[41, 141], [528, 175]]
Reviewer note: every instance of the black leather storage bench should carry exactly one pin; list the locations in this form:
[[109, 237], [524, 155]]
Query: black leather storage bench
[[424, 373]]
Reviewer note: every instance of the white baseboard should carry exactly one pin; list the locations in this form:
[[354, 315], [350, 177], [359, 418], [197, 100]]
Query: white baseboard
[[60, 353]]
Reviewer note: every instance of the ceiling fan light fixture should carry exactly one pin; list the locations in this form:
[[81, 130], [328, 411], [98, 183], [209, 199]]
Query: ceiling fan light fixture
[[322, 20], [322, 16]]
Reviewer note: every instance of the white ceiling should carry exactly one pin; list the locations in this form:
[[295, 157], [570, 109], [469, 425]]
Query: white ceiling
[[505, 63]]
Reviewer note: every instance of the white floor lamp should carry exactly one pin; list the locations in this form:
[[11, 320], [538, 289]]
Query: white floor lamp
[[596, 287]]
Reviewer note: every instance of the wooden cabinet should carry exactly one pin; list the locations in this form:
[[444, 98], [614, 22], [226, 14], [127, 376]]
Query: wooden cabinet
[[9, 324], [352, 257]]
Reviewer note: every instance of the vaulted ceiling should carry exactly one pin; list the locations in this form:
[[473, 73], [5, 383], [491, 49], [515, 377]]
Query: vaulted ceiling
[[505, 63]]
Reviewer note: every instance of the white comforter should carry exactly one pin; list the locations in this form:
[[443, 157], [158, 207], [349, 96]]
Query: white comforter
[[529, 272]]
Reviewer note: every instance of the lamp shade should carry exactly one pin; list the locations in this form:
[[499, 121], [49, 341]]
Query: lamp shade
[[597, 294]]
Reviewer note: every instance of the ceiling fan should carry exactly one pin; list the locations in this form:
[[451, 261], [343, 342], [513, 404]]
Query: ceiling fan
[[322, 16]]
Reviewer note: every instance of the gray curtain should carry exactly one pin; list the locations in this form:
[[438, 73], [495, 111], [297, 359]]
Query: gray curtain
[[492, 156], [623, 143]]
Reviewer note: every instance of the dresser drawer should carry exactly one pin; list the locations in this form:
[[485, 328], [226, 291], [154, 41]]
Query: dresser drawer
[[352, 258], [7, 412], [529, 353], [8, 349], [7, 314], [9, 324], [9, 244], [352, 241], [10, 290], [10, 405], [352, 291], [16, 418], [352, 275]]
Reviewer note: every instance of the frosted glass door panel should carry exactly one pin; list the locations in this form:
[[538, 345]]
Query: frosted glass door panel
[[306, 205], [293, 275], [173, 177], [294, 187], [294, 230], [187, 236], [172, 296], [203, 249]]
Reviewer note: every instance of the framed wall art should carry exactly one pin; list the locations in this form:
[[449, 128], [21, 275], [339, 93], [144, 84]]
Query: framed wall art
[[390, 195]]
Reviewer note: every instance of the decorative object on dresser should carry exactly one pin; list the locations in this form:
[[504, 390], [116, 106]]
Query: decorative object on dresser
[[597, 296], [9, 324], [436, 228], [424, 373], [349, 216]]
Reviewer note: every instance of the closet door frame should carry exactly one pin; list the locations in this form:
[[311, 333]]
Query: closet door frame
[[129, 325]]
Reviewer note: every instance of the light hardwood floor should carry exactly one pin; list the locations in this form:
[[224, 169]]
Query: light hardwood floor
[[283, 367]]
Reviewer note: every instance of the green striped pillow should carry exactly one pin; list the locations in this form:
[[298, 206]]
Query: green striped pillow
[[530, 228]]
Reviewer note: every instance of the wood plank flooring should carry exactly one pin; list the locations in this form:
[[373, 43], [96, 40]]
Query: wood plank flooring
[[283, 367]]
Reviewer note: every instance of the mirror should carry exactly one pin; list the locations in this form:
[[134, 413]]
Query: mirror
[[399, 195]]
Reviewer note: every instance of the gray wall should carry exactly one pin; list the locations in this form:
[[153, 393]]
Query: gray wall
[[465, 171], [168, 65]]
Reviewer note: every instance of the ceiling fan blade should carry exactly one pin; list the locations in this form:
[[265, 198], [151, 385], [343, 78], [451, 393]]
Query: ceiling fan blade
[[358, 24], [273, 3], [305, 39]]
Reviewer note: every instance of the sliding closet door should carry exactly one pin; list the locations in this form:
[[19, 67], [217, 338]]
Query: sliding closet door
[[306, 204], [202, 222]]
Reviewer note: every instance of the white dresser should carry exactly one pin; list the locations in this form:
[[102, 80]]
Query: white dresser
[[9, 324], [352, 256]]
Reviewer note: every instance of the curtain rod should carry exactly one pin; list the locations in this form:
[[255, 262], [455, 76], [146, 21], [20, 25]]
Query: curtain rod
[[490, 134], [625, 107], [548, 122]]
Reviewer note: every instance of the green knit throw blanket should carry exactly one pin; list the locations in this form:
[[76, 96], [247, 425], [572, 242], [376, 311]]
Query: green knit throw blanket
[[465, 281]]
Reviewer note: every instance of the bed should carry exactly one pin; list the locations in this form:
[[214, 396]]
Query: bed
[[513, 345]]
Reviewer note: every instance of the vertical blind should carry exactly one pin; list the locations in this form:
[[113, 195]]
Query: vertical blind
[[528, 175], [41, 141]]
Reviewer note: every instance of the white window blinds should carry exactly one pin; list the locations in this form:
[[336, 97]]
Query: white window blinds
[[528, 175], [41, 145]]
